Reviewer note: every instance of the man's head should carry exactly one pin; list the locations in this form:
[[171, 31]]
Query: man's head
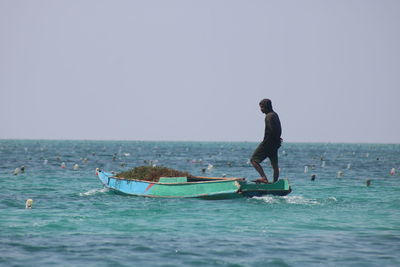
[[266, 105]]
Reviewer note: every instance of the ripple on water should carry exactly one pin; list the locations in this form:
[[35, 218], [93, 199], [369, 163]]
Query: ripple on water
[[294, 200], [76, 222], [92, 192]]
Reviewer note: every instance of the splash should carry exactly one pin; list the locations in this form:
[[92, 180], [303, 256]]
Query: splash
[[332, 199], [93, 192], [268, 199], [297, 200]]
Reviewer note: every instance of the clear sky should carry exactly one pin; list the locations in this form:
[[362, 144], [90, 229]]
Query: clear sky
[[196, 70]]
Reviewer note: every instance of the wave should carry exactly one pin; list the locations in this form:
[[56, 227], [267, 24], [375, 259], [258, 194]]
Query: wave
[[93, 192], [300, 200], [297, 200]]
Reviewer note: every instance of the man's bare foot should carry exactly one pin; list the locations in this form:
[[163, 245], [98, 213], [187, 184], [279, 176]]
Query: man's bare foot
[[261, 181]]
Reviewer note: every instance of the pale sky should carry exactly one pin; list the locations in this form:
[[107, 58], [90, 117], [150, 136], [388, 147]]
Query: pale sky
[[196, 70]]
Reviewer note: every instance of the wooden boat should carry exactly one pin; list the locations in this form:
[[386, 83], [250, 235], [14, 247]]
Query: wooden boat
[[193, 187]]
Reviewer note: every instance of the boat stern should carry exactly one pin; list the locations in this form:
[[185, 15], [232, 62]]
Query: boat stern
[[279, 188]]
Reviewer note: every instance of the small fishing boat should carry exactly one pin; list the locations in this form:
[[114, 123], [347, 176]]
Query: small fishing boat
[[193, 187]]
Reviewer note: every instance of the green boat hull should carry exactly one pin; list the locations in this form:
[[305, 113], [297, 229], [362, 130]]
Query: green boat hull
[[194, 187]]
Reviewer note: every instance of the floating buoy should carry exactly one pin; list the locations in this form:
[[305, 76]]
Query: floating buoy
[[28, 203], [393, 171], [17, 171]]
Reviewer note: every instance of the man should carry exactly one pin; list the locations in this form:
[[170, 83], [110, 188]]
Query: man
[[268, 148]]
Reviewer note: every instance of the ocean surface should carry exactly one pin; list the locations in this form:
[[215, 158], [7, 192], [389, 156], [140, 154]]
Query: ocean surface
[[335, 220]]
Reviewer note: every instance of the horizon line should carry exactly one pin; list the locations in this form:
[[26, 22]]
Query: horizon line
[[193, 141]]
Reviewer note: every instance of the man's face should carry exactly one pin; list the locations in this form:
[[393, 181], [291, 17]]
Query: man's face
[[262, 108]]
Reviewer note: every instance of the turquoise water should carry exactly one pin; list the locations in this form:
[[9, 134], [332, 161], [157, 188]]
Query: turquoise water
[[332, 221]]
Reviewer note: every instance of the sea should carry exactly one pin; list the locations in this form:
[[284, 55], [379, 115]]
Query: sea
[[344, 209]]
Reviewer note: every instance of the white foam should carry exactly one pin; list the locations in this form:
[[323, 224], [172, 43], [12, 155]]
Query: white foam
[[93, 192], [332, 198], [297, 200], [267, 199]]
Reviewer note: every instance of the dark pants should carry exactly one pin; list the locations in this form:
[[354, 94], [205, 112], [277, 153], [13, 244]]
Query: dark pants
[[266, 150]]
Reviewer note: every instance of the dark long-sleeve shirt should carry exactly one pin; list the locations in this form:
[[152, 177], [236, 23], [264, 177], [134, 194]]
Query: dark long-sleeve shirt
[[273, 128]]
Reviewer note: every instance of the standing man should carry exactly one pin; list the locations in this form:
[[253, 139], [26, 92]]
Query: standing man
[[268, 148]]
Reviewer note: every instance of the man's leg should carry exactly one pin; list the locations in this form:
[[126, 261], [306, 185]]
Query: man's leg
[[259, 169], [258, 156], [275, 166]]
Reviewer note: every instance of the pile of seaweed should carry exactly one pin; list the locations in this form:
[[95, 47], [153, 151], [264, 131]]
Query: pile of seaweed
[[150, 173]]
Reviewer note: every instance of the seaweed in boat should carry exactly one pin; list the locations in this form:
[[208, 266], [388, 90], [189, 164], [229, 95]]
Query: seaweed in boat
[[150, 173]]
